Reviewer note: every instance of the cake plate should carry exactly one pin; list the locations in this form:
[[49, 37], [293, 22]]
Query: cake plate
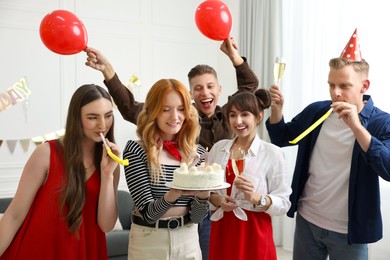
[[220, 187]]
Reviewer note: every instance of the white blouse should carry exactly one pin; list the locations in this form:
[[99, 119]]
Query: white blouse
[[265, 166]]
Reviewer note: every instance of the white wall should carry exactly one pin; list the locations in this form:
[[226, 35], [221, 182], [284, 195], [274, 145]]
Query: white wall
[[151, 38]]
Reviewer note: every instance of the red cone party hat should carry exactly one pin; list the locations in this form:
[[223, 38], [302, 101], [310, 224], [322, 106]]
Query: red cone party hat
[[352, 49]]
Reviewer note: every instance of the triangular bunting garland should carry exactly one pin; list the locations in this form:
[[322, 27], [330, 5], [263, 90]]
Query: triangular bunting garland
[[11, 145], [38, 140], [25, 144]]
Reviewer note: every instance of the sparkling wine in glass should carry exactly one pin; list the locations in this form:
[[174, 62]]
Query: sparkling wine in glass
[[279, 67], [238, 161]]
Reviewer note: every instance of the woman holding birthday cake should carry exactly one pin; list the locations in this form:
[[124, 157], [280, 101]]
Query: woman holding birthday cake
[[164, 222]]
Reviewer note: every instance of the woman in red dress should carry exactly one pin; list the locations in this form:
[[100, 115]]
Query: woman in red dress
[[242, 227], [66, 198]]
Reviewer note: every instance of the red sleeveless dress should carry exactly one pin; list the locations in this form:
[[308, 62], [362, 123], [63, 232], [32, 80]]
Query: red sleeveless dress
[[44, 233], [232, 238]]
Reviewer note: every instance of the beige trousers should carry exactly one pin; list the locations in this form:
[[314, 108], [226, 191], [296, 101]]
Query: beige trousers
[[146, 243]]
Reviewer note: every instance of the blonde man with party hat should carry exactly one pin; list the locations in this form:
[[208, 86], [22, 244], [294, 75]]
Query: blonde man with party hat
[[336, 179]]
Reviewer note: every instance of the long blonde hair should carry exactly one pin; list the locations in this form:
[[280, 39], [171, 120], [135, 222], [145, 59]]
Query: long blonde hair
[[149, 132]]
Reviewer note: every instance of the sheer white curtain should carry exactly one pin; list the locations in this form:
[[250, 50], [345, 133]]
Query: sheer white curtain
[[308, 34], [261, 38], [261, 35]]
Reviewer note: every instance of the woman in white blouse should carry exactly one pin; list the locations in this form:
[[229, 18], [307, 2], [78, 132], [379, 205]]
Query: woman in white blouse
[[242, 227]]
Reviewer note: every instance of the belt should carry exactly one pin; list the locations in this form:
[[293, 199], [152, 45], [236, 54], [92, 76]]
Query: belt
[[171, 223]]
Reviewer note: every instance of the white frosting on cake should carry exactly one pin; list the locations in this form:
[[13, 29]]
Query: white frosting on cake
[[212, 176]]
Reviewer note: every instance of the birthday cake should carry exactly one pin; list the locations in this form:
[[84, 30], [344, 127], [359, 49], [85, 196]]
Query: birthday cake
[[204, 177]]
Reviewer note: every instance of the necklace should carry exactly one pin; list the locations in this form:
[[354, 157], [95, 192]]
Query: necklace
[[237, 149], [244, 147]]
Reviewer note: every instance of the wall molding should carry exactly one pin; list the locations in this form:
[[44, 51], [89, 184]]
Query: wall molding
[[9, 178]]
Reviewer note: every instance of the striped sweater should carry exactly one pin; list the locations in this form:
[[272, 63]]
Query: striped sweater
[[149, 197]]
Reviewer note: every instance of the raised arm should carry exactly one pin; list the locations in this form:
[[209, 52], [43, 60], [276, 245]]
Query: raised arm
[[123, 98], [277, 105], [246, 78], [109, 179]]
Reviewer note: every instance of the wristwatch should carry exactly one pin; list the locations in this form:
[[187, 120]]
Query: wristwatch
[[263, 201]]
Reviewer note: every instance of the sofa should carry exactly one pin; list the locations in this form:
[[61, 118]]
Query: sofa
[[117, 239], [4, 202]]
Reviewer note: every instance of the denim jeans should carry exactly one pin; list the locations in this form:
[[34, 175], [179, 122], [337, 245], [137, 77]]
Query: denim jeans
[[204, 236], [313, 242]]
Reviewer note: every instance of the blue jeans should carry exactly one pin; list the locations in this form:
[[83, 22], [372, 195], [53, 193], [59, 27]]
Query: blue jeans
[[313, 242], [204, 236]]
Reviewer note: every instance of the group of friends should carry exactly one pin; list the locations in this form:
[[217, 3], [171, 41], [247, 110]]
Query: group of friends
[[67, 195]]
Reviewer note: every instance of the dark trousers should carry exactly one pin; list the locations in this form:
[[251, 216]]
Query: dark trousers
[[204, 236]]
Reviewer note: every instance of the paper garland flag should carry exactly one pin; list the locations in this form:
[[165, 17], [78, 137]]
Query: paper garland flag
[[25, 143], [11, 145], [38, 140], [60, 132]]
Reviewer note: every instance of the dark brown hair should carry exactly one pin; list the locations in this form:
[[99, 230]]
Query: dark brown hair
[[247, 101], [72, 195], [200, 70]]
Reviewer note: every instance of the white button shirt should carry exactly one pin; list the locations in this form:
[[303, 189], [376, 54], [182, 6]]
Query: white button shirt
[[265, 167]]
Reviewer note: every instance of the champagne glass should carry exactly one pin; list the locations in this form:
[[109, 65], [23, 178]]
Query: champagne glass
[[238, 161], [238, 165], [279, 67]]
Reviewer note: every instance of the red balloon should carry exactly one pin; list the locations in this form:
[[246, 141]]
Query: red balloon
[[214, 20], [63, 33]]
